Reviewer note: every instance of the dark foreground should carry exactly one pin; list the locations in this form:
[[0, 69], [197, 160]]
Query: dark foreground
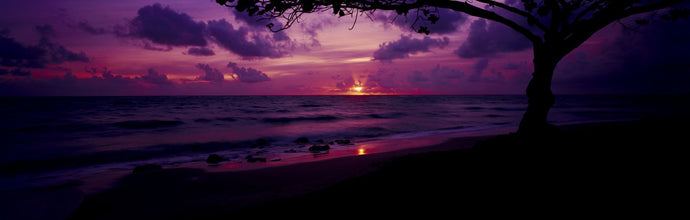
[[612, 169]]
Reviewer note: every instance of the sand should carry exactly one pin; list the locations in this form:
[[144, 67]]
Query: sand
[[587, 170]]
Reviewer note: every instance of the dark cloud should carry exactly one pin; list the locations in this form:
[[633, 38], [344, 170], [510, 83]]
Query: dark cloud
[[244, 43], [407, 45], [149, 46], [20, 72], [105, 73], [15, 54], [164, 26], [449, 21], [15, 72], [200, 51], [248, 75], [489, 39], [156, 78], [211, 74]]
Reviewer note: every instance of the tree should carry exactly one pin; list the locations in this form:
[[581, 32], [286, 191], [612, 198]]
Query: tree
[[555, 28]]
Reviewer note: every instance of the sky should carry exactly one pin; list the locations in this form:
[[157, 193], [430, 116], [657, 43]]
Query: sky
[[184, 47]]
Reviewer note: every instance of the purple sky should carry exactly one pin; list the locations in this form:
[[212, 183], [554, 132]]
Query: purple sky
[[183, 47]]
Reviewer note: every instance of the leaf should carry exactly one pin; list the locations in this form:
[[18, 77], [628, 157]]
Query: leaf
[[336, 8], [423, 29], [433, 18]]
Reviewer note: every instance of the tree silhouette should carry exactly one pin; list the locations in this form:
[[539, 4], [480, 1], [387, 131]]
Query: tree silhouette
[[555, 28]]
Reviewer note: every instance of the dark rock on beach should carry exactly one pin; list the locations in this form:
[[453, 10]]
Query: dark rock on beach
[[252, 159], [302, 140], [214, 159], [319, 147], [147, 168]]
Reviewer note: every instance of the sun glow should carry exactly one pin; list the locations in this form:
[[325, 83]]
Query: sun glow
[[361, 151], [357, 89]]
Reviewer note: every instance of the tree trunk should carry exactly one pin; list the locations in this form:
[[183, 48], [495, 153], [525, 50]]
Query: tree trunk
[[540, 97]]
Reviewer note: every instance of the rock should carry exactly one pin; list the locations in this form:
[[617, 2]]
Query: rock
[[214, 158], [262, 142], [252, 159], [319, 147], [343, 142], [302, 140], [147, 168]]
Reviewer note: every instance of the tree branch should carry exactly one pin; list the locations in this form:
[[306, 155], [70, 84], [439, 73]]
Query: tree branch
[[478, 12], [514, 10], [584, 29]]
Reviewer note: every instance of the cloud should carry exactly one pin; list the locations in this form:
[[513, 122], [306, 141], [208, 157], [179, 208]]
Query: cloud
[[489, 39], [407, 45], [449, 21], [200, 51], [15, 54], [260, 24], [211, 74], [15, 72], [248, 75], [88, 28], [155, 78], [478, 68], [438, 77], [162, 25], [385, 81], [344, 85], [243, 43]]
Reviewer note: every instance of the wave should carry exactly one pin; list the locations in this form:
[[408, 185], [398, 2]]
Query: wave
[[286, 120], [147, 124], [388, 115], [226, 119], [60, 127]]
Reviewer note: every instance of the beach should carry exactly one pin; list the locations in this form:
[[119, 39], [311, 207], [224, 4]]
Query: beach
[[612, 168]]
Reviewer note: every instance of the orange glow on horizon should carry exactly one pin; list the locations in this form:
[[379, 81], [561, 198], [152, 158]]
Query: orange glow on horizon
[[361, 151]]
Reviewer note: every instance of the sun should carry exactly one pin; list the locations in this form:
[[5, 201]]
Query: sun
[[357, 89]]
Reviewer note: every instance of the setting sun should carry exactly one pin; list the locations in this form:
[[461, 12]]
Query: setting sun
[[357, 89]]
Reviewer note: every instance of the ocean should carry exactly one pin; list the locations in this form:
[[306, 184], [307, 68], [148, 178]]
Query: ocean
[[47, 134]]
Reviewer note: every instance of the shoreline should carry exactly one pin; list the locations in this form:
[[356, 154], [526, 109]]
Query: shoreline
[[184, 192]]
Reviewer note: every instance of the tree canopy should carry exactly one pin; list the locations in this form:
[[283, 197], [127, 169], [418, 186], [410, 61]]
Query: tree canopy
[[554, 27]]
